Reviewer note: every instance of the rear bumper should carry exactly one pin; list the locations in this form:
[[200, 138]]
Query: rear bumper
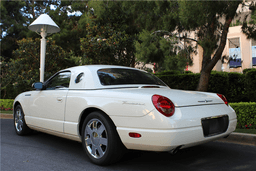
[[166, 140]]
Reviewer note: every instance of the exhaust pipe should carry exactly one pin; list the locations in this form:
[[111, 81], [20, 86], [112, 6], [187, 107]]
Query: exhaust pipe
[[175, 150], [227, 136]]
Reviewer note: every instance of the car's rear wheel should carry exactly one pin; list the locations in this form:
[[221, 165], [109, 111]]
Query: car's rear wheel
[[20, 125], [100, 139]]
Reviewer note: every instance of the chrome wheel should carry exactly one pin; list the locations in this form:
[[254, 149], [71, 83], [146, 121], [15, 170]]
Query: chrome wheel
[[96, 138], [20, 125], [18, 120]]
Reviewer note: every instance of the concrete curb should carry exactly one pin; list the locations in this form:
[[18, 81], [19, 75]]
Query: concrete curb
[[240, 138], [237, 138], [6, 116]]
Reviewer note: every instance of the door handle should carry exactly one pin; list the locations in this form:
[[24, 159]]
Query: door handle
[[59, 99]]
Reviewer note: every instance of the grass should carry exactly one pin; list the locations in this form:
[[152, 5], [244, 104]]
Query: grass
[[6, 112], [248, 131]]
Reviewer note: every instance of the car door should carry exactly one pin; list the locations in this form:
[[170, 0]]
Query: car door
[[47, 109]]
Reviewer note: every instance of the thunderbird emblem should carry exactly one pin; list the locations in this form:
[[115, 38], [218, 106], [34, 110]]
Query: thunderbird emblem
[[205, 101]]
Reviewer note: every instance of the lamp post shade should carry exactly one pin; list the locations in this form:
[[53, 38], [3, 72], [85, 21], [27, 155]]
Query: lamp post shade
[[45, 22]]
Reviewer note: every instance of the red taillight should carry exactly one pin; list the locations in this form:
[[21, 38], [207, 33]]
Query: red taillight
[[223, 98], [134, 135], [163, 105]]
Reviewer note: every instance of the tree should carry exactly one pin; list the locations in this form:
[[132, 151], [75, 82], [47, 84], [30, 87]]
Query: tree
[[20, 72], [104, 45], [209, 20], [168, 53], [210, 31], [16, 16], [249, 27], [11, 26]]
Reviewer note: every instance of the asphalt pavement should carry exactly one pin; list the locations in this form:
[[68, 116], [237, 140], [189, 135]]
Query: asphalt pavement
[[43, 152]]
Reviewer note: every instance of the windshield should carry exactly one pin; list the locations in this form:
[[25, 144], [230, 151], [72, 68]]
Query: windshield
[[120, 76]]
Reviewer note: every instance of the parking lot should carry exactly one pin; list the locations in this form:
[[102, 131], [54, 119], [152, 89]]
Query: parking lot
[[43, 152]]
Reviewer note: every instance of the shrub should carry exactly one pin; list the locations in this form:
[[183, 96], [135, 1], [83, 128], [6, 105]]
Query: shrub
[[6, 104], [248, 69], [168, 72], [246, 114], [236, 88], [18, 74], [218, 82], [181, 81], [250, 79], [188, 72]]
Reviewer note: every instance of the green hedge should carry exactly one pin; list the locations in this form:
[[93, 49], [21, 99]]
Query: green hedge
[[235, 86], [6, 104], [250, 80], [246, 114], [181, 81]]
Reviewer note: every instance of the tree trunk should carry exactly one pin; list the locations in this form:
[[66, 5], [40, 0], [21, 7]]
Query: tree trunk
[[204, 81]]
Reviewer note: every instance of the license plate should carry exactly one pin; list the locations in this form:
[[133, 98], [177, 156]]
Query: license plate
[[215, 125]]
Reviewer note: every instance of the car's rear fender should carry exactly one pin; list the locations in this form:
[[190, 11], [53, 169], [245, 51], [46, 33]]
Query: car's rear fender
[[183, 117]]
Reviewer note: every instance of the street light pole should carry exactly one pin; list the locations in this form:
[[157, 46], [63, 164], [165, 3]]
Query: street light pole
[[42, 54], [43, 24]]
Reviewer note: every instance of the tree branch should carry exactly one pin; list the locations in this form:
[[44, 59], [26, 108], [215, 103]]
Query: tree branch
[[223, 40], [173, 35], [222, 45]]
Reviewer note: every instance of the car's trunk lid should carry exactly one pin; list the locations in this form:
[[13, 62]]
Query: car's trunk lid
[[180, 98]]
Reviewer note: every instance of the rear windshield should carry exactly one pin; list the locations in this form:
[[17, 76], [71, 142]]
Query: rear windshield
[[120, 76]]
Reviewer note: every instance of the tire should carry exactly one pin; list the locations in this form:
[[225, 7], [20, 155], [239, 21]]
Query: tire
[[100, 139], [20, 125]]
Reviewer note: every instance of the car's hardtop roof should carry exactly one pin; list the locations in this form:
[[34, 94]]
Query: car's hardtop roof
[[92, 78], [97, 67]]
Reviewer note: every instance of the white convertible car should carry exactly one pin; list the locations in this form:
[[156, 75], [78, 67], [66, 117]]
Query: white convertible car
[[113, 108]]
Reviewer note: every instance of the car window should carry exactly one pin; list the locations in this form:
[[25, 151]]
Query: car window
[[120, 76], [79, 77], [61, 80]]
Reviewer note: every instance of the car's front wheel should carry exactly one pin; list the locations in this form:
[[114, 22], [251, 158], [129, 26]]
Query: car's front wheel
[[100, 139], [20, 125]]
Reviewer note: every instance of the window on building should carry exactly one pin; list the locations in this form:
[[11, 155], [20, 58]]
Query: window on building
[[234, 53], [253, 52]]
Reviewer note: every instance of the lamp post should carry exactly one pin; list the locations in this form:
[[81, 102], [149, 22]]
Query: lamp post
[[43, 25]]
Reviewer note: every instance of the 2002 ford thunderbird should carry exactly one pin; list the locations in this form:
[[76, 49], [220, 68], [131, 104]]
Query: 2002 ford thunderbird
[[111, 108]]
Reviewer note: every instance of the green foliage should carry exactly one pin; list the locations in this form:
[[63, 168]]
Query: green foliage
[[16, 16], [170, 72], [18, 75], [11, 25], [247, 70], [153, 48], [248, 28], [149, 49], [72, 26], [181, 81], [236, 92], [246, 114], [104, 45], [6, 104], [188, 72], [219, 83], [250, 78]]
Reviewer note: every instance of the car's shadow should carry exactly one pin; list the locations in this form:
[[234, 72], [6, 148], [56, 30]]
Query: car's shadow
[[210, 156]]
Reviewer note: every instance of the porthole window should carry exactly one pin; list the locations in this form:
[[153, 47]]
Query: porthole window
[[79, 78]]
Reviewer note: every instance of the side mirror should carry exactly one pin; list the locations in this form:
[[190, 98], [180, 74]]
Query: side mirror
[[38, 85]]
